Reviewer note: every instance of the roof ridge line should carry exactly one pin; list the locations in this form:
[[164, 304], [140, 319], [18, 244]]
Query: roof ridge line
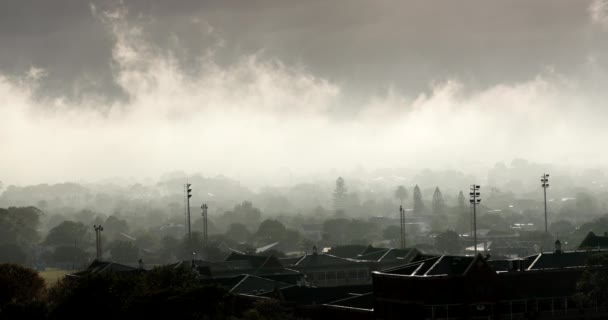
[[534, 262], [433, 266]]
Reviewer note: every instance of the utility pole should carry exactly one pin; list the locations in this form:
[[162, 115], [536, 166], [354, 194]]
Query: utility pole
[[204, 213], [402, 217], [544, 179], [474, 201], [98, 230]]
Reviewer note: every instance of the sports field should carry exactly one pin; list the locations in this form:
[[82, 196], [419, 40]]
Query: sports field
[[52, 275]]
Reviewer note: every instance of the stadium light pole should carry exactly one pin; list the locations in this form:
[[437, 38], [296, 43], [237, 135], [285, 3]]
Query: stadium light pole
[[204, 213], [474, 201], [402, 224], [98, 230], [188, 195], [545, 184]]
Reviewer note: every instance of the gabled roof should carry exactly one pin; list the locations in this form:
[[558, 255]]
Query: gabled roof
[[290, 261], [558, 260], [348, 251], [450, 265], [390, 254], [442, 265], [316, 295], [414, 268], [356, 301], [251, 284], [371, 249], [593, 241], [323, 259], [266, 247], [101, 267], [256, 261]]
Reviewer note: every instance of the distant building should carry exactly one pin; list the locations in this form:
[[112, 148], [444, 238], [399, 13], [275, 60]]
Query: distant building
[[325, 270], [594, 242], [444, 287]]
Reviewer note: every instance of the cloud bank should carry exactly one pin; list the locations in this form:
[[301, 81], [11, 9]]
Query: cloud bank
[[261, 118]]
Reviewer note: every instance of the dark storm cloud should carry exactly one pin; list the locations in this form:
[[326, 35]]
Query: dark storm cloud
[[363, 45], [260, 88]]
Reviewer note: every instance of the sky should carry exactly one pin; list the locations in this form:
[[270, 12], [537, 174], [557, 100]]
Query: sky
[[264, 89]]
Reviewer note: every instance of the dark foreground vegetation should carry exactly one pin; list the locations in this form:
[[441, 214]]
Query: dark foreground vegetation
[[164, 292]]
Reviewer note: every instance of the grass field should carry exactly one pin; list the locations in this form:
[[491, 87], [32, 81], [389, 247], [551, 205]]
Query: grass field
[[52, 275]]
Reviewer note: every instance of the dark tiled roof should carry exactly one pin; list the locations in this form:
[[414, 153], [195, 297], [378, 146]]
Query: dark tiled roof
[[348, 251], [100, 267], [371, 249], [359, 301], [390, 255], [321, 259], [251, 284], [256, 261], [593, 241], [559, 260], [317, 295], [414, 268], [450, 265], [289, 261], [442, 265]]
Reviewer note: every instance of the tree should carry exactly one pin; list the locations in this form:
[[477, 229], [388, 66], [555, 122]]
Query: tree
[[238, 232], [19, 225], [271, 230], [113, 227], [340, 193], [418, 203], [463, 223], [462, 207], [448, 242], [244, 213], [19, 285], [401, 194], [169, 247], [561, 228], [69, 233], [334, 230], [124, 251], [73, 255], [391, 233], [12, 253], [438, 205], [592, 286]]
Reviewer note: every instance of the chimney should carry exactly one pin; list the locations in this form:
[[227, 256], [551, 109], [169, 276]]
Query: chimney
[[314, 250], [558, 246], [140, 264]]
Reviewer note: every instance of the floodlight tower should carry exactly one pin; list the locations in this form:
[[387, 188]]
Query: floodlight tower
[[188, 194], [474, 201], [402, 224], [98, 230], [544, 179], [204, 213]]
